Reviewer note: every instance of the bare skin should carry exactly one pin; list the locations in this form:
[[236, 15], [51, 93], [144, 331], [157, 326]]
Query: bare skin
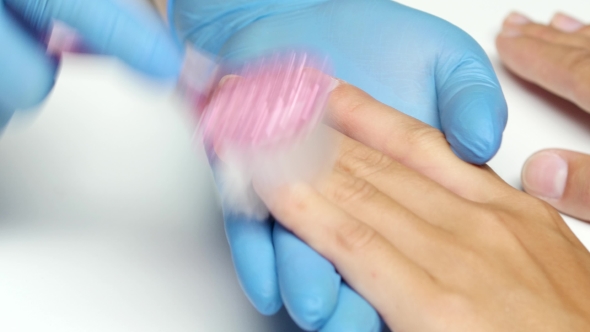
[[434, 243], [555, 56]]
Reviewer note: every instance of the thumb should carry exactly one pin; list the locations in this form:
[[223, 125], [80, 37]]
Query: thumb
[[110, 27], [472, 108], [562, 178]]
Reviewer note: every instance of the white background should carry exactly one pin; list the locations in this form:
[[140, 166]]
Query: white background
[[108, 220]]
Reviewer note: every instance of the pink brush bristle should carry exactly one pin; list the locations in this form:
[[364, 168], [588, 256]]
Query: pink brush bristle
[[275, 100], [264, 119]]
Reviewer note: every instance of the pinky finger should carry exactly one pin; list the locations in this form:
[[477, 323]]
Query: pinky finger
[[367, 261]]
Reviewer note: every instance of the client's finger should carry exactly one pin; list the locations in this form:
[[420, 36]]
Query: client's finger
[[550, 62], [566, 23], [355, 249], [406, 140], [376, 189], [562, 178], [517, 24]]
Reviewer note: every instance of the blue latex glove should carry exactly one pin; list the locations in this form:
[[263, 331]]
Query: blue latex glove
[[405, 58], [27, 74]]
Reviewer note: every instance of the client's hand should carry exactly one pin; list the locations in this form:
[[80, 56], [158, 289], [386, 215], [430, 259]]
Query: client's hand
[[407, 59], [557, 58], [432, 242]]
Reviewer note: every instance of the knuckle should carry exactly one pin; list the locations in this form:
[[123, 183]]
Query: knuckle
[[550, 214], [538, 213], [468, 261], [542, 207], [348, 98], [418, 136], [543, 213], [363, 161], [290, 202], [494, 231], [491, 220], [354, 237], [351, 188], [346, 102]]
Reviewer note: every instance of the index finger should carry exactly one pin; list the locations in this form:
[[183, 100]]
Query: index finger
[[408, 141], [396, 285]]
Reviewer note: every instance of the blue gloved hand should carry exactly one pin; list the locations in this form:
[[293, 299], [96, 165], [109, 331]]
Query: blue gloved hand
[[405, 58], [108, 27]]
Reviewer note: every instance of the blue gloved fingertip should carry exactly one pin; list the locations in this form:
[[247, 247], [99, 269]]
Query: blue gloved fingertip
[[476, 123], [309, 283], [353, 313], [253, 254]]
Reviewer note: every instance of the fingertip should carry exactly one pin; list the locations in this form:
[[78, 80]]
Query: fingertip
[[512, 26], [566, 23], [254, 259], [474, 122], [505, 39], [310, 312], [544, 175], [268, 306], [353, 314], [516, 18], [472, 108], [561, 178], [309, 283], [475, 147]]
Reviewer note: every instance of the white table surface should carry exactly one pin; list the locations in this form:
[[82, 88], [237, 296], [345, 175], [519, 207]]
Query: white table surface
[[108, 220]]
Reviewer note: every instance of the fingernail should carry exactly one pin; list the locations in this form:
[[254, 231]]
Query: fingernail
[[544, 175], [225, 79], [336, 82], [566, 23], [517, 19]]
